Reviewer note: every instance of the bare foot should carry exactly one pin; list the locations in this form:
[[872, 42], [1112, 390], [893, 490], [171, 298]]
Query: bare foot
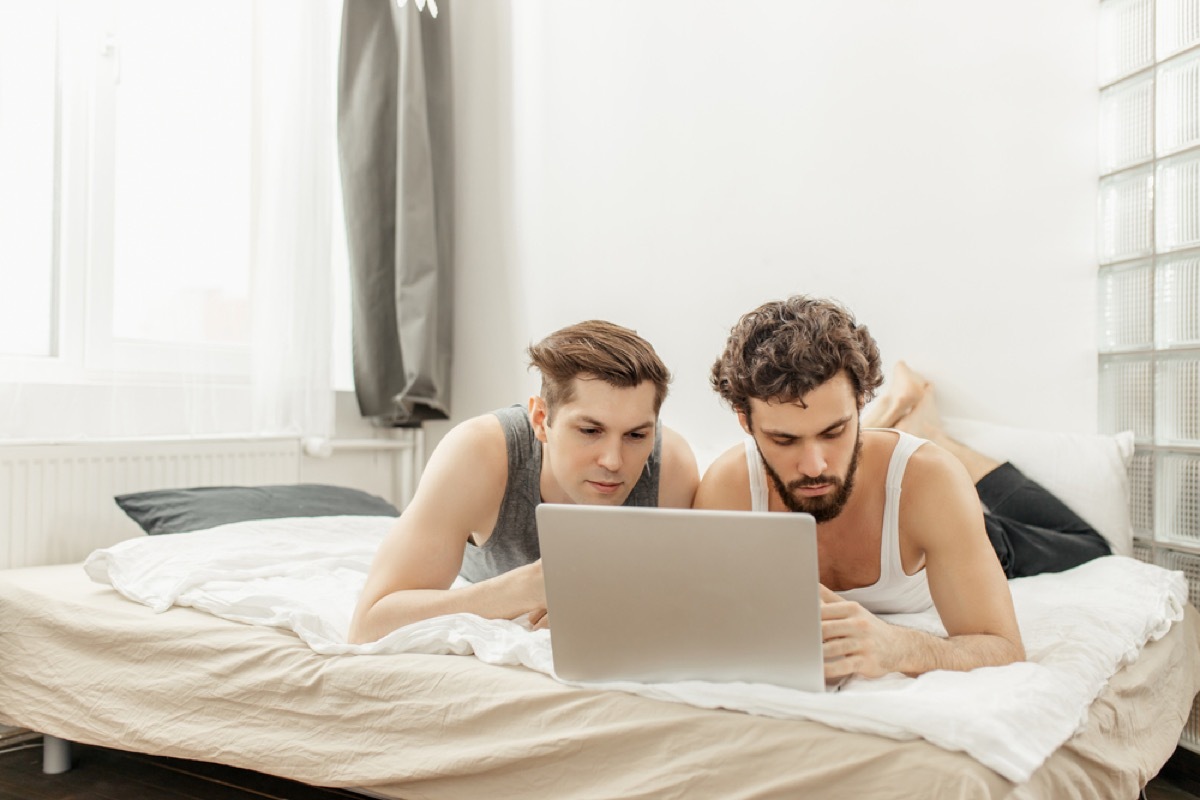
[[925, 421], [904, 392]]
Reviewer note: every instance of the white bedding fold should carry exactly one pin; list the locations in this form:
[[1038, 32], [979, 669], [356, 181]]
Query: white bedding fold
[[304, 575]]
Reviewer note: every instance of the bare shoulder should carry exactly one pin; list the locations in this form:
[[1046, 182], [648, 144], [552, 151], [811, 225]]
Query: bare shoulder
[[460, 490], [483, 431], [679, 476], [726, 483], [470, 461], [938, 495], [931, 467]]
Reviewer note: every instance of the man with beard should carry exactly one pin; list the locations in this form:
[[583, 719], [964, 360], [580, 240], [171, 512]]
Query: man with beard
[[798, 373]]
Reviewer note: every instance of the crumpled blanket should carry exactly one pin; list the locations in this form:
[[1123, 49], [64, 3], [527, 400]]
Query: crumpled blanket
[[304, 575]]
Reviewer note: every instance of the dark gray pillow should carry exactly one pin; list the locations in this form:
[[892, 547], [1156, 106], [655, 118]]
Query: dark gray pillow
[[181, 510]]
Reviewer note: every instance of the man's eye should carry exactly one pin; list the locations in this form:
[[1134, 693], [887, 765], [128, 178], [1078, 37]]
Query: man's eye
[[833, 434], [589, 431], [783, 442], [637, 435]]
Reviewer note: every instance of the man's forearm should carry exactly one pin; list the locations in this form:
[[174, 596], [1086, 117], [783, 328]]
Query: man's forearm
[[493, 599], [923, 652], [406, 607]]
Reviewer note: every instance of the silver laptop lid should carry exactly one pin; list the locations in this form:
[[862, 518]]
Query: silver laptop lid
[[658, 595]]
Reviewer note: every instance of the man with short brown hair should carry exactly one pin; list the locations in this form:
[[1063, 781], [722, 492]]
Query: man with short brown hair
[[590, 436]]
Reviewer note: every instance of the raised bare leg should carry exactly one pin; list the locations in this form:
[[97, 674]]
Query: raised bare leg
[[904, 391], [925, 421]]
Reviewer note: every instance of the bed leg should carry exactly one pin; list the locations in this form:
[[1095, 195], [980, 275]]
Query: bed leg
[[56, 755]]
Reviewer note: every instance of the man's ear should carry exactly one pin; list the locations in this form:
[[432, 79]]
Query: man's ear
[[538, 417], [744, 421]]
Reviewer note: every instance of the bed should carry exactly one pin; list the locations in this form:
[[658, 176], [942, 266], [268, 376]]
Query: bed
[[226, 644], [84, 663]]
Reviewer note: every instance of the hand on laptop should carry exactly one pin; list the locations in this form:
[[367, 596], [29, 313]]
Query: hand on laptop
[[529, 586], [856, 641]]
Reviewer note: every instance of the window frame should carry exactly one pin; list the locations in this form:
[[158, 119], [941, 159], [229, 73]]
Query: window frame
[[83, 348]]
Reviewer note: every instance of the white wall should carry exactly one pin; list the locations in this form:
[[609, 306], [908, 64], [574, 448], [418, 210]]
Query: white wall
[[670, 165]]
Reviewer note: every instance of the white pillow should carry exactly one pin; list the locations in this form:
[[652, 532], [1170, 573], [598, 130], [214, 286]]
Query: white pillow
[[1088, 472]]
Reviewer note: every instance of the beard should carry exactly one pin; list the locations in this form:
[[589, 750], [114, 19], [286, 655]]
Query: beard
[[828, 505]]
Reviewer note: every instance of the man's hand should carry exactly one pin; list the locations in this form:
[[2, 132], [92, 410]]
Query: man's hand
[[856, 641], [529, 589]]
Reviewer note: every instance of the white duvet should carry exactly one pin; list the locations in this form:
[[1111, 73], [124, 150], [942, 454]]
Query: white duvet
[[1079, 627]]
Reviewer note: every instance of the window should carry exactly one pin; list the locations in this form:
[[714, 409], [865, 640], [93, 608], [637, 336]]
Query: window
[[153, 209], [28, 72], [129, 127], [1149, 280], [181, 140]]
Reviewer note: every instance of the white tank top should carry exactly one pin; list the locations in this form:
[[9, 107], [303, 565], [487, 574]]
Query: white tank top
[[894, 592]]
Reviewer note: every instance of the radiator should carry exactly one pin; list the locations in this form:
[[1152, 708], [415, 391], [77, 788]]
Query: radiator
[[56, 500]]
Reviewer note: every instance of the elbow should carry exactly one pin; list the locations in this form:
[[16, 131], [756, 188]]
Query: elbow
[[1008, 650], [359, 632], [355, 636]]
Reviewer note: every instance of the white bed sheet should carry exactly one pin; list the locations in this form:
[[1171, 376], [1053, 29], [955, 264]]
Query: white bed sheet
[[304, 575]]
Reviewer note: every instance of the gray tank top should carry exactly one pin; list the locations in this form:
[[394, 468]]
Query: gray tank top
[[514, 541]]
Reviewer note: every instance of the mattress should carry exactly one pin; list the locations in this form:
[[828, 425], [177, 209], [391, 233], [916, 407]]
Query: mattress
[[81, 662]]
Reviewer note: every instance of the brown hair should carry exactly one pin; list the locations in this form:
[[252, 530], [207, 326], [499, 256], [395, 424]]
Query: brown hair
[[596, 349], [784, 349]]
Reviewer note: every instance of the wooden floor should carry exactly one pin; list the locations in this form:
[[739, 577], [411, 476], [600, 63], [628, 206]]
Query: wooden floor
[[103, 774], [1178, 780]]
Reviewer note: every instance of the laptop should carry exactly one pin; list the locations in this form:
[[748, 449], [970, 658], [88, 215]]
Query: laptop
[[658, 595]]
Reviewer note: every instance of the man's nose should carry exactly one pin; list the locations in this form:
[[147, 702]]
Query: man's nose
[[812, 461], [610, 455]]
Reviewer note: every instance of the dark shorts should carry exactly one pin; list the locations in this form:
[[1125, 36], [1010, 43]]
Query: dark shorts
[[1031, 530]]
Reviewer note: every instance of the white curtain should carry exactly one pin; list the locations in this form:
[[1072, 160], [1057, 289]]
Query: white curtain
[[281, 384], [293, 287]]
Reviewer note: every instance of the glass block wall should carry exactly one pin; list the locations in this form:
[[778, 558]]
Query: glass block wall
[[1149, 279]]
